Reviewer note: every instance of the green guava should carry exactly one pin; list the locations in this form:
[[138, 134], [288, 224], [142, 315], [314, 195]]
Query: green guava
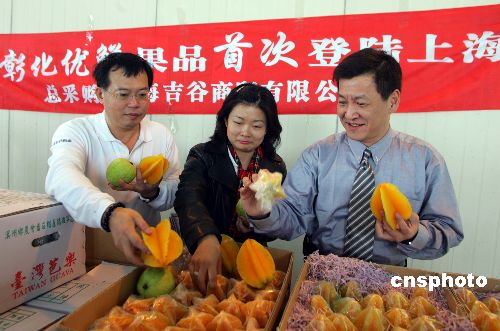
[[120, 168], [154, 282]]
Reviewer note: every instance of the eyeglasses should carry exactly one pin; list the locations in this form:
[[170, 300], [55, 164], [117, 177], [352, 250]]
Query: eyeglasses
[[123, 96]]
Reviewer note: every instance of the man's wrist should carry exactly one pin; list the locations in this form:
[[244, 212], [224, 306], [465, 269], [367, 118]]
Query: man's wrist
[[259, 217], [106, 216], [154, 195], [408, 241]]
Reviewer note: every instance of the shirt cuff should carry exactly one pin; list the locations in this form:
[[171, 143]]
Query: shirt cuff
[[420, 241], [261, 225]]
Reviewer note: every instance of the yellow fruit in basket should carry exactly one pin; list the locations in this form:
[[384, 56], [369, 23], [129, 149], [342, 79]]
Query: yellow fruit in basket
[[152, 168], [390, 200], [493, 304], [372, 319], [327, 290], [398, 317], [229, 251], [347, 306], [164, 244], [420, 306], [466, 295], [255, 264]]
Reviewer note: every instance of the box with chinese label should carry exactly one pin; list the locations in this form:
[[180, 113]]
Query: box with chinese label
[[23, 318], [71, 295], [41, 246]]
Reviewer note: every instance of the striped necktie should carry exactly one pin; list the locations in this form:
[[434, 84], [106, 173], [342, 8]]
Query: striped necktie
[[360, 228]]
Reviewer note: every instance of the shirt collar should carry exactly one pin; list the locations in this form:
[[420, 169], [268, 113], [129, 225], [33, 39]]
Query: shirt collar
[[105, 132], [378, 149]]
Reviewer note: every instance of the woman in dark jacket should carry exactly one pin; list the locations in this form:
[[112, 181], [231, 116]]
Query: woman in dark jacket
[[246, 135]]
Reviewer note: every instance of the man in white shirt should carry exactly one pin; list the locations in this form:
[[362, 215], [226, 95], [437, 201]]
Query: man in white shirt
[[82, 149]]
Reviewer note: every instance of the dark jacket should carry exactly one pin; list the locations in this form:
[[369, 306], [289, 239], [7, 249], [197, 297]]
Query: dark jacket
[[208, 192]]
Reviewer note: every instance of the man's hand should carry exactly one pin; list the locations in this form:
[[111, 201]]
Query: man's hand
[[138, 185], [124, 223], [206, 263], [248, 200], [407, 229]]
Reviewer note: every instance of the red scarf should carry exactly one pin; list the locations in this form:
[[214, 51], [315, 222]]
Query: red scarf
[[253, 168]]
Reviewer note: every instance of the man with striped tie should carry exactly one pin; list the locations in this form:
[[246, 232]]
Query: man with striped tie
[[329, 188]]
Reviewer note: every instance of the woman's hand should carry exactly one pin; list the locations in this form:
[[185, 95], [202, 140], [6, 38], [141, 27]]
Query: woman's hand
[[206, 263], [250, 203]]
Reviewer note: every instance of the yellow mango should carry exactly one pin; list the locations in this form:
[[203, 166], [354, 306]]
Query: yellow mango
[[255, 264], [229, 251], [390, 200], [152, 168], [164, 244]]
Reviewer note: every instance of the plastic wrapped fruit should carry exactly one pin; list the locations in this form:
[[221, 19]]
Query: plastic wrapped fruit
[[233, 306], [374, 300], [320, 306], [224, 322], [165, 304], [420, 306], [398, 317], [466, 295], [327, 290], [395, 299], [425, 323], [341, 323], [348, 307], [493, 304], [371, 319], [320, 323], [351, 289]]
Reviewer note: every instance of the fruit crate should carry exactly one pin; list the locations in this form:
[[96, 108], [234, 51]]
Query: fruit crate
[[117, 293], [448, 308]]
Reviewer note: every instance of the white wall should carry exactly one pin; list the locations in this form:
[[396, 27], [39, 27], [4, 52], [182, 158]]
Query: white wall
[[469, 140]]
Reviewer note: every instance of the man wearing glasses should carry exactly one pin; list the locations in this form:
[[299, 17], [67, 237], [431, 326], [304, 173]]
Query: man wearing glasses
[[82, 149]]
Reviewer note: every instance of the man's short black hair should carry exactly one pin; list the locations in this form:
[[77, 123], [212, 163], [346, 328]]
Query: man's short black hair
[[131, 64], [385, 69]]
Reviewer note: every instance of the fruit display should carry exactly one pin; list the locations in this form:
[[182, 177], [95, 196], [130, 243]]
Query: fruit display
[[388, 199], [268, 188], [152, 168], [255, 264], [229, 251], [232, 304], [164, 244], [120, 168], [362, 293]]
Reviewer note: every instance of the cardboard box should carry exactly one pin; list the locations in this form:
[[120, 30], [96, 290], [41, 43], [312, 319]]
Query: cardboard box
[[23, 318], [116, 294], [75, 293], [42, 247], [397, 270]]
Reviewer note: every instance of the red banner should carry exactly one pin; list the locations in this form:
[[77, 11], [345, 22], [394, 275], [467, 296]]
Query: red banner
[[449, 58]]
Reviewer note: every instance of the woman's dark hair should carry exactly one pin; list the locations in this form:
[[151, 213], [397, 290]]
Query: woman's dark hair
[[385, 69], [131, 64], [260, 97]]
